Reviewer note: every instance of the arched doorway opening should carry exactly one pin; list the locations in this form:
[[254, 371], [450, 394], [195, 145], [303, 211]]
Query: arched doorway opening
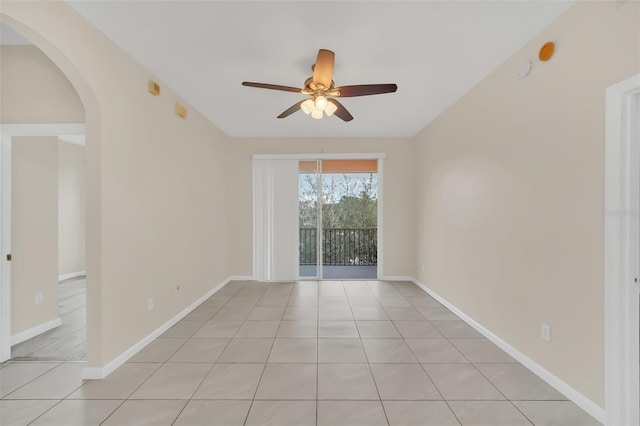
[[92, 238]]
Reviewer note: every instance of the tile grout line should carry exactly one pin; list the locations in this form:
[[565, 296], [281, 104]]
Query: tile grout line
[[475, 367], [221, 352], [384, 410], [115, 409], [501, 393], [395, 285], [429, 377], [52, 399], [212, 365], [54, 405], [160, 366], [45, 411], [421, 365], [265, 361], [231, 339], [32, 380]]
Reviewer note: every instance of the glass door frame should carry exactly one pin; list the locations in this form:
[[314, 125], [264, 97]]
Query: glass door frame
[[318, 223], [318, 158]]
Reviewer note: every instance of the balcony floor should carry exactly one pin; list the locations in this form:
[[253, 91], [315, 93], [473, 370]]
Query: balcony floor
[[332, 272]]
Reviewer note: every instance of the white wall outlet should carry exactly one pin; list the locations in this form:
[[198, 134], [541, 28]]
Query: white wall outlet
[[545, 332], [423, 267], [39, 298], [150, 305]]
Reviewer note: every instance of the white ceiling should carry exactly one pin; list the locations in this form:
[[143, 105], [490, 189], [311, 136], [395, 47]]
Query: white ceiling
[[435, 51]]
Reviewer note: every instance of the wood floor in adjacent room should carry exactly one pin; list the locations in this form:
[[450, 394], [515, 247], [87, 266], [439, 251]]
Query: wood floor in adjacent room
[[334, 353]]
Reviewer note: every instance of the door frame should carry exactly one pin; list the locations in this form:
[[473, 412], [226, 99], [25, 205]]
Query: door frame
[[622, 252], [347, 156], [7, 132]]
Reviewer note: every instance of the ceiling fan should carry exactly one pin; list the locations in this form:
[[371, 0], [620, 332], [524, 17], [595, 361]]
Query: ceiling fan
[[321, 89]]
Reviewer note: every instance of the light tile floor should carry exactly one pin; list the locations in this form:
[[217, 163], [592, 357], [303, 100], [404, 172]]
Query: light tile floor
[[306, 353]]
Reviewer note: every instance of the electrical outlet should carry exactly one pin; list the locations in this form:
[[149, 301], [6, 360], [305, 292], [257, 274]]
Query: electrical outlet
[[546, 332], [150, 305], [423, 267], [39, 298]]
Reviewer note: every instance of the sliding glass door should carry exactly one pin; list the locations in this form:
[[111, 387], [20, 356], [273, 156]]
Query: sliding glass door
[[338, 217]]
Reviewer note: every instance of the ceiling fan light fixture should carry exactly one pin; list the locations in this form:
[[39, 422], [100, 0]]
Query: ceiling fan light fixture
[[321, 102], [320, 91], [317, 114], [307, 106], [330, 109]]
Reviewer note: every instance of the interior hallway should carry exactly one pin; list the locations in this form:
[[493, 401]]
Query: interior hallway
[[305, 353]]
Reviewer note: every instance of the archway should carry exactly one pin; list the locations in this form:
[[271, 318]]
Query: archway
[[47, 45]]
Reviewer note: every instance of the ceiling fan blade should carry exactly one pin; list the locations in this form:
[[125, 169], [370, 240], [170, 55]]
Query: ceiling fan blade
[[272, 86], [363, 90], [323, 68], [291, 110], [341, 112]]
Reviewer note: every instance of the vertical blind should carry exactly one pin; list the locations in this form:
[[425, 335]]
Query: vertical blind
[[275, 220]]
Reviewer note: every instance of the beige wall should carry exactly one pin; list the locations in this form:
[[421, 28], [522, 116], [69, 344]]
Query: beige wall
[[511, 194], [34, 90], [34, 229], [71, 208], [398, 182], [155, 184]]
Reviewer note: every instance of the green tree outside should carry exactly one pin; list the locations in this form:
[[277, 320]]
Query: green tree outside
[[349, 217]]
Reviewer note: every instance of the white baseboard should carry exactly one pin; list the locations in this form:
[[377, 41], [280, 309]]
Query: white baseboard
[[561, 386], [241, 278], [71, 275], [102, 372], [396, 278], [34, 331]]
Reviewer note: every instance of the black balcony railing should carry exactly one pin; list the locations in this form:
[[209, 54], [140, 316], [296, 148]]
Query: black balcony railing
[[340, 246]]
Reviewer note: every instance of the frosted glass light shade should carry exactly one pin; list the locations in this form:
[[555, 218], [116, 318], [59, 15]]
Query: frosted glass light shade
[[321, 103], [330, 109], [307, 106], [317, 114]]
